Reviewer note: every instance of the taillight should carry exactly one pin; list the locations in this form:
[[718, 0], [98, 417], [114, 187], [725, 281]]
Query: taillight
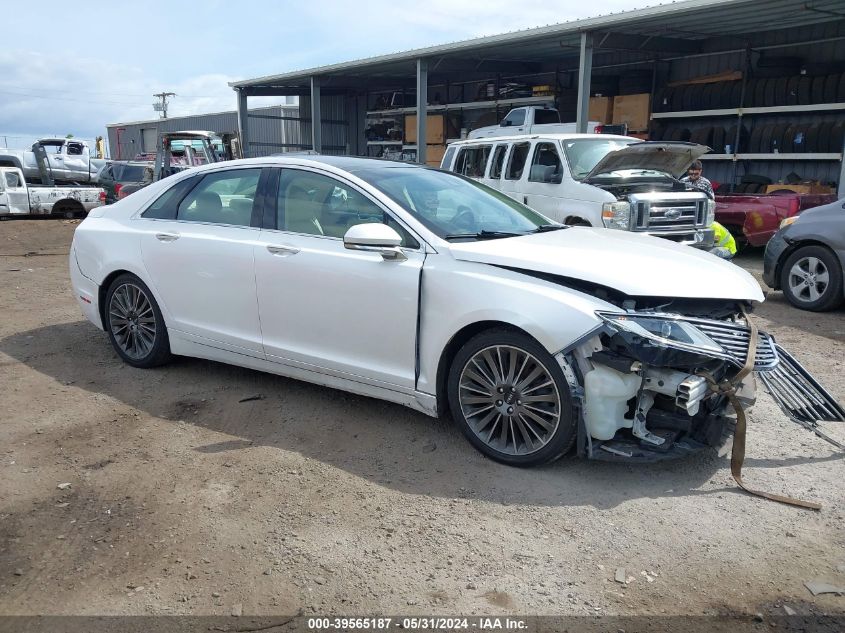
[[117, 187], [102, 196], [599, 129]]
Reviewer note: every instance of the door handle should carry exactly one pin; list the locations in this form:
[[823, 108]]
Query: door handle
[[525, 200], [167, 237], [284, 251]]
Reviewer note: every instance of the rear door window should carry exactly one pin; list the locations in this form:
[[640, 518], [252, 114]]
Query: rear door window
[[516, 164], [165, 206], [542, 117], [498, 161], [224, 197]]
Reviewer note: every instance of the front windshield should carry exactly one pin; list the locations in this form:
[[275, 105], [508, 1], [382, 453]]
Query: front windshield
[[452, 206], [583, 154]]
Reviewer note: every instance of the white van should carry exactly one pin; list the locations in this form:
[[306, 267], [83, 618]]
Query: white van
[[600, 180]]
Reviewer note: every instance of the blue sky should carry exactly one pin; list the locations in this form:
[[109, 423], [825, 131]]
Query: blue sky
[[74, 67]]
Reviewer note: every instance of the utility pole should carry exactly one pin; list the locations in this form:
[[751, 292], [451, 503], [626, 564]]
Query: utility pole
[[161, 106]]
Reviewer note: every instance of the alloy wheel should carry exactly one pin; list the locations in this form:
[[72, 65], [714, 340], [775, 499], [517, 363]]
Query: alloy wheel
[[808, 279], [509, 400], [132, 321]]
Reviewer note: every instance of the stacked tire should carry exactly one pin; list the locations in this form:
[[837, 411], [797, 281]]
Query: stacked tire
[[762, 138], [759, 92]]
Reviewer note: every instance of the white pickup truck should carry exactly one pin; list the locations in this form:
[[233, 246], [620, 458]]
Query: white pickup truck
[[18, 198], [65, 160], [532, 120]]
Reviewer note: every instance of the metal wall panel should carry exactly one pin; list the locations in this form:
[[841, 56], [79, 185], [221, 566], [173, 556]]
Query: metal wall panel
[[336, 124], [267, 135]]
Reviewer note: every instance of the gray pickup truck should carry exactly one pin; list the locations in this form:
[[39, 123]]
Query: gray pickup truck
[[65, 160]]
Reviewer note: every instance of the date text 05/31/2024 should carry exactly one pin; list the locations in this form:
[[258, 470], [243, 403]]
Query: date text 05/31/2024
[[419, 623]]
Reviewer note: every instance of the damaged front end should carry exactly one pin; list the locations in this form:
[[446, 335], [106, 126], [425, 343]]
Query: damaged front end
[[644, 384]]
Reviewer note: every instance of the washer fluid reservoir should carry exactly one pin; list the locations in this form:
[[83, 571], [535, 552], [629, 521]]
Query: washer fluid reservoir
[[607, 392]]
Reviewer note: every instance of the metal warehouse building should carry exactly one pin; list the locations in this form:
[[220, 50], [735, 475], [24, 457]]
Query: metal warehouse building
[[762, 82], [274, 128]]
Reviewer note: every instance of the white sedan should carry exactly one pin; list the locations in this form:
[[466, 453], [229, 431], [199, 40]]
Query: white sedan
[[425, 288]]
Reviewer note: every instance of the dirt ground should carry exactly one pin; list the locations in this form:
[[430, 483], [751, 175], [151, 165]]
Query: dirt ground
[[126, 491]]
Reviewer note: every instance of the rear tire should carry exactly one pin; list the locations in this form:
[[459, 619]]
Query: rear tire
[[811, 279], [134, 323], [510, 399]]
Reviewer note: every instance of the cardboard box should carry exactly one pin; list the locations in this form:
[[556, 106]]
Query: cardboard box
[[434, 154], [435, 129], [811, 187], [601, 109], [634, 110]]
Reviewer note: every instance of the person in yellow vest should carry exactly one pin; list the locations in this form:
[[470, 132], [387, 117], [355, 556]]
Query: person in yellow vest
[[724, 245]]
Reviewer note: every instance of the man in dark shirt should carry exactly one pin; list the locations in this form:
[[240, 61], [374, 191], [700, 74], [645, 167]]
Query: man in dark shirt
[[694, 180]]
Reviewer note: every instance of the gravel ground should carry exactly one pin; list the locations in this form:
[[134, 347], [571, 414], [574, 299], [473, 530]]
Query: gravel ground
[[125, 491]]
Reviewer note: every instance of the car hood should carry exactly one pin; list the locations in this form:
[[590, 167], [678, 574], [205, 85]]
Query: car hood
[[670, 158], [634, 264]]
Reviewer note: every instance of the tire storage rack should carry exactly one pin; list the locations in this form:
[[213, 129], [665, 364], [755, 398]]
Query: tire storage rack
[[757, 126]]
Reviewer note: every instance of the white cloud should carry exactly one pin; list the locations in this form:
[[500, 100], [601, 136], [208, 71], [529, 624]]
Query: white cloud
[[44, 95], [80, 91]]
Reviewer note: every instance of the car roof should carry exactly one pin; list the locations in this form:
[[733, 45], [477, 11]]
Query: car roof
[[345, 163]]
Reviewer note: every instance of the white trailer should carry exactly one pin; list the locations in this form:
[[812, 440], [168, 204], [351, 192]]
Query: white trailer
[[18, 198]]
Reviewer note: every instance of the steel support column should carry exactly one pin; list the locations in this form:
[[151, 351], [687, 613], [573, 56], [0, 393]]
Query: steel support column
[[243, 123], [422, 103], [316, 118], [585, 69]]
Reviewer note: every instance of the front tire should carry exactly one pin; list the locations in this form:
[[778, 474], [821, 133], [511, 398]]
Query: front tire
[[811, 279], [510, 399], [134, 323]]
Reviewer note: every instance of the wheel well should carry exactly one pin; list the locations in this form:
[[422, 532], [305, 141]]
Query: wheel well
[[104, 288], [67, 204], [574, 220], [451, 349], [788, 253]]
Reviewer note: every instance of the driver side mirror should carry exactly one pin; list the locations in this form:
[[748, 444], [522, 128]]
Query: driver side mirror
[[375, 238], [505, 123]]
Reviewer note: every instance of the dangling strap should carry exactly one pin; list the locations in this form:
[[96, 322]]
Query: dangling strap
[[728, 388]]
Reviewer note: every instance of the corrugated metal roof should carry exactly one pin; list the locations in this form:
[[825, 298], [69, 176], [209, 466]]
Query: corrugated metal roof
[[262, 110], [691, 20]]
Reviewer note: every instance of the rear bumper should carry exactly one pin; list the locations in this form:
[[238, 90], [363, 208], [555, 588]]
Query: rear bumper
[[85, 291]]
